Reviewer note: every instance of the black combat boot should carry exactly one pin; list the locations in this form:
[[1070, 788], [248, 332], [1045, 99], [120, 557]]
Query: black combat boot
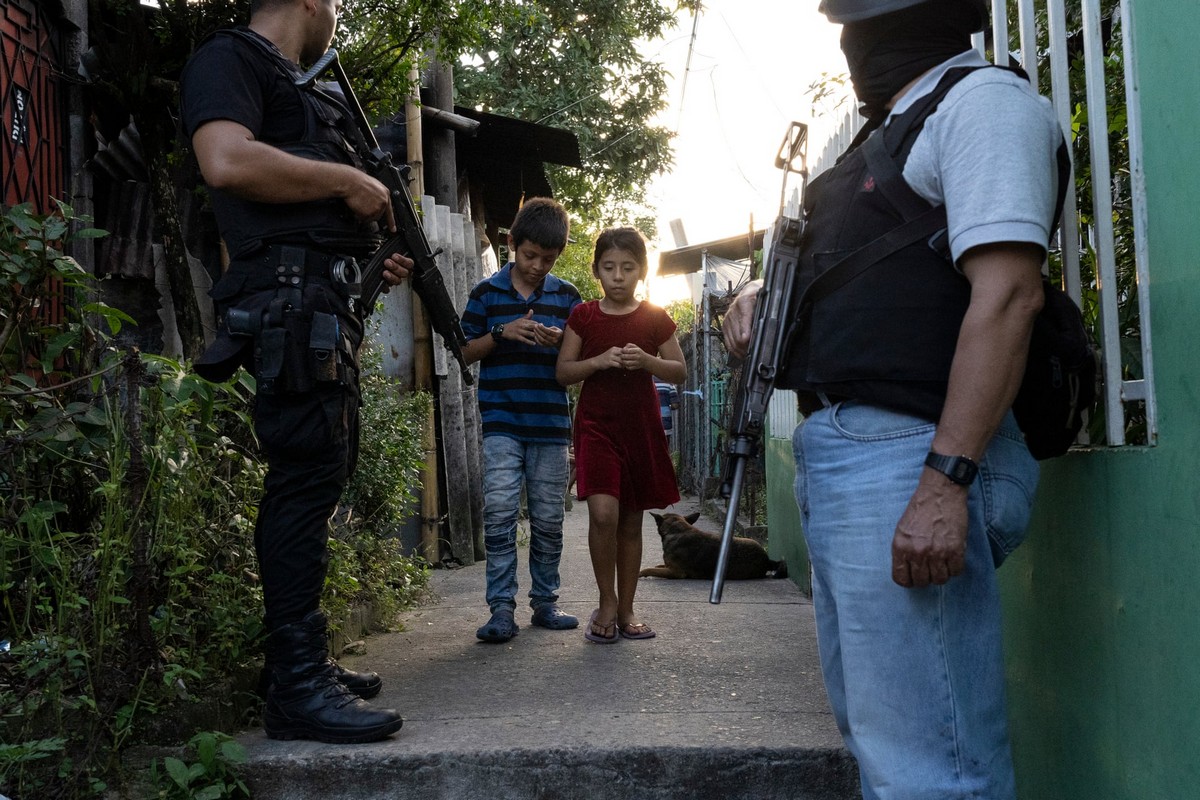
[[364, 684], [305, 699]]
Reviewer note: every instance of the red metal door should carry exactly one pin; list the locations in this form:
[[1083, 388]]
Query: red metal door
[[31, 152]]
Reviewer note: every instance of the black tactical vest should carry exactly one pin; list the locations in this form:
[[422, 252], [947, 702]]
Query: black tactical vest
[[326, 225], [880, 301]]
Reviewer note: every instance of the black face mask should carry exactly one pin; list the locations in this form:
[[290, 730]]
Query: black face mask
[[886, 53]]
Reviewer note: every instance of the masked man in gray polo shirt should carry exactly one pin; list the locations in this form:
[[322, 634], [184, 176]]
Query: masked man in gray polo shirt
[[913, 479]]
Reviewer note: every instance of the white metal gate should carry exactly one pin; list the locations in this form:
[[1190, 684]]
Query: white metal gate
[[1095, 242]]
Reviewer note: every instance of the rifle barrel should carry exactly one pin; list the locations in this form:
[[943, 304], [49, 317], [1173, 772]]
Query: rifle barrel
[[735, 496]]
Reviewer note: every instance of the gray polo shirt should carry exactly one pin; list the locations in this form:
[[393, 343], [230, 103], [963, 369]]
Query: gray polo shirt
[[988, 154]]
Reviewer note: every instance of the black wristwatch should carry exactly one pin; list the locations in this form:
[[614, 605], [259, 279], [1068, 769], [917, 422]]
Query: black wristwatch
[[959, 469], [498, 331]]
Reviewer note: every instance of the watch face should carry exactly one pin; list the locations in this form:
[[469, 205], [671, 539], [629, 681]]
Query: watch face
[[959, 469]]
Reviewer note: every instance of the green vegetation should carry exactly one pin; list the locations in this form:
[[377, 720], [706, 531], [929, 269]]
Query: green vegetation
[[576, 65], [128, 586], [212, 776], [683, 313]]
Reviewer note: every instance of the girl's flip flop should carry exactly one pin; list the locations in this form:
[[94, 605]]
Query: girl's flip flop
[[636, 630], [596, 637]]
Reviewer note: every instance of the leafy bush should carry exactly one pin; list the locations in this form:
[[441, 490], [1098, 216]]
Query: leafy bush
[[366, 562], [129, 570], [212, 776], [128, 497]]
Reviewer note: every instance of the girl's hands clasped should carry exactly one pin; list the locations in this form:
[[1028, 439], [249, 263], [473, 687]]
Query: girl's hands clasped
[[634, 357]]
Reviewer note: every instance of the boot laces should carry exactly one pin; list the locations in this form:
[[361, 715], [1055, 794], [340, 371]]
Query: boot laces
[[339, 694]]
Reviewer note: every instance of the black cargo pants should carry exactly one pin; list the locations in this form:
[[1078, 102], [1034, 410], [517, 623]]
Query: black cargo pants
[[311, 442]]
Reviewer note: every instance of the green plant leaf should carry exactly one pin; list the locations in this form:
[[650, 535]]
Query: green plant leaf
[[233, 752], [178, 771], [206, 748]]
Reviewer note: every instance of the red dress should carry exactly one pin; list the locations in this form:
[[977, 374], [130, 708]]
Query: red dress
[[620, 447]]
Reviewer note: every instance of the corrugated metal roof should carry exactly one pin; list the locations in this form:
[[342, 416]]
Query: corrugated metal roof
[[687, 259]]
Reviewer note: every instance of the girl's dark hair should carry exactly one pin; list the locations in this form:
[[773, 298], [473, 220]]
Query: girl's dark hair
[[628, 239], [542, 221]]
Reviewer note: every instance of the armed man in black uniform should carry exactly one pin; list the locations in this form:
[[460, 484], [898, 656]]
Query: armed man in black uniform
[[295, 211]]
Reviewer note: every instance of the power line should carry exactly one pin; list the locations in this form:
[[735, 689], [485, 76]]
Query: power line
[[725, 135], [688, 64], [750, 59]]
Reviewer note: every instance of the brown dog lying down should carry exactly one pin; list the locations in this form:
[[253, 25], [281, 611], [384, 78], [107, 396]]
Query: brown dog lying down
[[692, 553]]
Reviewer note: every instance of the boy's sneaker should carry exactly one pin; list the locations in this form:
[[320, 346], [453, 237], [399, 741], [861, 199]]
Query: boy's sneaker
[[552, 617], [500, 628]]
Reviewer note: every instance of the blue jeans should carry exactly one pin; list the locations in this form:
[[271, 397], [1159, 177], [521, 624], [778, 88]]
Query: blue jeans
[[542, 468], [915, 676]]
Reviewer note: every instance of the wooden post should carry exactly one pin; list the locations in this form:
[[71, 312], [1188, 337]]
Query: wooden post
[[460, 424], [422, 351]]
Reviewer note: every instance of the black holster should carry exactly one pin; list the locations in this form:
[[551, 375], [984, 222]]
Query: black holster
[[299, 348], [292, 336]]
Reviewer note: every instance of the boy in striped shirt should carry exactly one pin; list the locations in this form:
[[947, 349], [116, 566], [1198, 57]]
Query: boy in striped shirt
[[514, 324]]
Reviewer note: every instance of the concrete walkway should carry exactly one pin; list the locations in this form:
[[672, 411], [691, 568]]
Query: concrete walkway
[[726, 702]]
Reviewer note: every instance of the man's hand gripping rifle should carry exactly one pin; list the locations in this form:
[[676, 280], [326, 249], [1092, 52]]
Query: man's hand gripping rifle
[[773, 316], [409, 238]]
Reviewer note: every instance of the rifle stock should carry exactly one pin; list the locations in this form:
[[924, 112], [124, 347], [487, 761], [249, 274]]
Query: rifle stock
[[768, 345], [409, 239]]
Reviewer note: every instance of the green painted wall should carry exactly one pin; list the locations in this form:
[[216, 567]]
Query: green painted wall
[[1102, 602], [783, 518]]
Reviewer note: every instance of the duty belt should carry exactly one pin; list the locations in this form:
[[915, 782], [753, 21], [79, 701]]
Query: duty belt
[[292, 266], [292, 263]]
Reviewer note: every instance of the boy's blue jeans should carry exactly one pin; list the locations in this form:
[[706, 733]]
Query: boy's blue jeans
[[915, 676], [507, 463]]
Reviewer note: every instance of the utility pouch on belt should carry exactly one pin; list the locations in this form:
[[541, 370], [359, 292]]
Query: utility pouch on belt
[[322, 347], [269, 355]]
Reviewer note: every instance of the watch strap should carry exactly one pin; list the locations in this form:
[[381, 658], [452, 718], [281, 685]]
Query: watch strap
[[959, 469]]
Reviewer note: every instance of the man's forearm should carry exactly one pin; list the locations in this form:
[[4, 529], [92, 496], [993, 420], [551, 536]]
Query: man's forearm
[[993, 343], [984, 380]]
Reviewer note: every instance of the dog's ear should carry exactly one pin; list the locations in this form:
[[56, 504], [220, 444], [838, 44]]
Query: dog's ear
[[658, 519], [691, 518]]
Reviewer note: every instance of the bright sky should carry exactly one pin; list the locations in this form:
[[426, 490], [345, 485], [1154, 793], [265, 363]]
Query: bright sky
[[751, 64]]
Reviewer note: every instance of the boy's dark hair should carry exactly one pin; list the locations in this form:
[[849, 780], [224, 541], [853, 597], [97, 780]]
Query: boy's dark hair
[[542, 221], [628, 239]]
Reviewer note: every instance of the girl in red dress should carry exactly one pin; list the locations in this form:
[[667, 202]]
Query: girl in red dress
[[617, 346]]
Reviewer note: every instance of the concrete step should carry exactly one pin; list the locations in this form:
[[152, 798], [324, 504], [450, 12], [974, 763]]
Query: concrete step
[[726, 702], [662, 773]]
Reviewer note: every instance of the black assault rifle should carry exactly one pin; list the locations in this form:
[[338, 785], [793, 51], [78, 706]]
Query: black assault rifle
[[773, 318], [768, 341], [409, 238]]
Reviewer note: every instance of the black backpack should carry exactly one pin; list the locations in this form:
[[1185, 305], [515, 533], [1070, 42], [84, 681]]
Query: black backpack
[[1060, 377], [1059, 385]]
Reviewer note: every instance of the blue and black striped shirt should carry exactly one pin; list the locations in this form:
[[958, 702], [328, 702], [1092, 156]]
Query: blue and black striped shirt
[[519, 396]]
